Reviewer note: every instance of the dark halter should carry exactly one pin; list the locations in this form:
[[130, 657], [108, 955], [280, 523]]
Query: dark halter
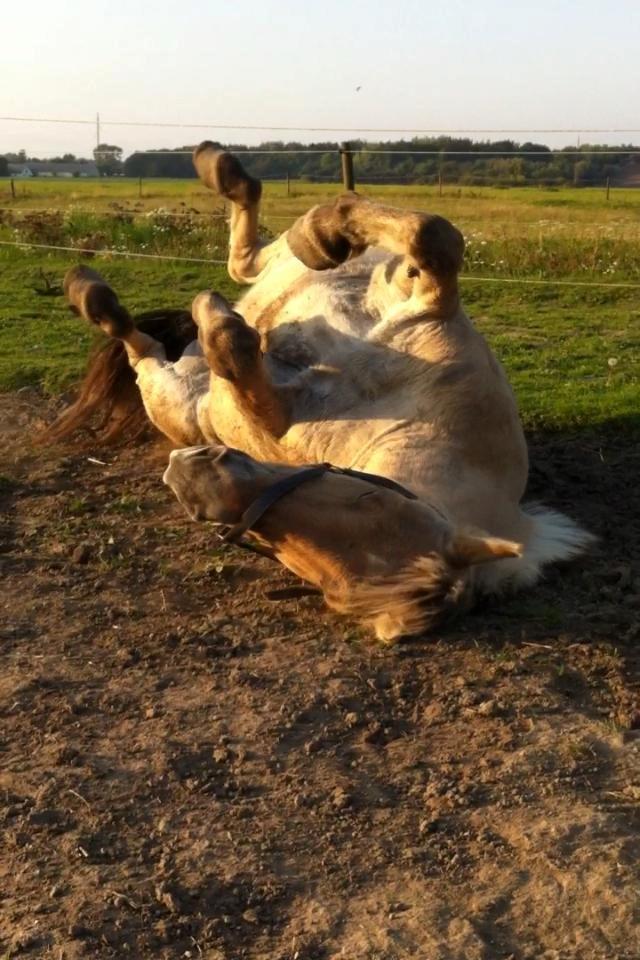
[[279, 489]]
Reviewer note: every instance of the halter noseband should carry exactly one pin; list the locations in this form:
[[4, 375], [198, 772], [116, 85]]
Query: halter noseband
[[279, 489]]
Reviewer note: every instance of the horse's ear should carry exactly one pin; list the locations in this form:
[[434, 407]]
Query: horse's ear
[[466, 549]]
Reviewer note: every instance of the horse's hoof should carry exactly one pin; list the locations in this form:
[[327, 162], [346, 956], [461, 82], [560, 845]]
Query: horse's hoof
[[222, 172], [92, 298]]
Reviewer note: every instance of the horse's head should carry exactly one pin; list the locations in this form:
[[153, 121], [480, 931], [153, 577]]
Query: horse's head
[[397, 564]]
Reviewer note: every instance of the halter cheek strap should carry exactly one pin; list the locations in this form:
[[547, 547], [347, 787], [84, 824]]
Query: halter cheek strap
[[281, 488]]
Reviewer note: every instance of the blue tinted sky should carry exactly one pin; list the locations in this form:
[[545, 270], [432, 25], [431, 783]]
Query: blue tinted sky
[[420, 63]]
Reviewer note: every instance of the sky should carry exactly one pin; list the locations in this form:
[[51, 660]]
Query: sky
[[419, 64]]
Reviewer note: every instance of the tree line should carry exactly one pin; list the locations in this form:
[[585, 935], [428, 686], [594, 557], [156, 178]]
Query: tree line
[[418, 160]]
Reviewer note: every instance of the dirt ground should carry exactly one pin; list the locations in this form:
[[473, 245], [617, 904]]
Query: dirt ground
[[189, 769]]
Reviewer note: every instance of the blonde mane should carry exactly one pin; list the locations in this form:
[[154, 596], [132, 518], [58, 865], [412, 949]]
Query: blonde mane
[[422, 596]]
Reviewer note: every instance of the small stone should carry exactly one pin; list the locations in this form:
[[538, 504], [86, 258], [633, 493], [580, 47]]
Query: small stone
[[433, 713], [469, 698], [374, 733], [150, 713], [127, 656], [67, 756], [428, 825], [340, 799], [81, 553], [167, 899], [250, 916], [44, 818], [632, 791], [488, 708]]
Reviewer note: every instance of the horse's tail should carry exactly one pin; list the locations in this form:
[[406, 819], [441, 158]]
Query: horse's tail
[[108, 405]]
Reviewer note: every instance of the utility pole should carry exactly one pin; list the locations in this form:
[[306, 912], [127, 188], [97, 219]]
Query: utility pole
[[97, 129]]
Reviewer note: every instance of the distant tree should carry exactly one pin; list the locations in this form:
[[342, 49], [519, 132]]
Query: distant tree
[[160, 163], [4, 167], [584, 172], [108, 159]]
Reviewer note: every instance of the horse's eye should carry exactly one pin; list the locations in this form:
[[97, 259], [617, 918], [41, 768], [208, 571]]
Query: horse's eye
[[366, 497]]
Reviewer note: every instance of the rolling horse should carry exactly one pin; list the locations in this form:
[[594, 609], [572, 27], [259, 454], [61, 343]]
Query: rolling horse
[[349, 355]]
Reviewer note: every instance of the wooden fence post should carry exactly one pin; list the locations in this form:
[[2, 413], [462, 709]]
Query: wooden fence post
[[288, 185], [608, 186], [13, 189], [346, 158], [439, 183]]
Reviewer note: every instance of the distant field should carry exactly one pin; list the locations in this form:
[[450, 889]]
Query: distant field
[[571, 353], [531, 205]]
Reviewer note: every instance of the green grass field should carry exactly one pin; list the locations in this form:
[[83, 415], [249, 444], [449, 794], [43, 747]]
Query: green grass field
[[570, 352]]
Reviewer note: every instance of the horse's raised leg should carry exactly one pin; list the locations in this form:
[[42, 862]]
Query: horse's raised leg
[[169, 398], [92, 298], [223, 173], [232, 350], [429, 249]]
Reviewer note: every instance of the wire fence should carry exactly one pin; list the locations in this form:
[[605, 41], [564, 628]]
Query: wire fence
[[467, 278], [346, 155], [499, 164], [107, 252], [12, 214], [465, 176]]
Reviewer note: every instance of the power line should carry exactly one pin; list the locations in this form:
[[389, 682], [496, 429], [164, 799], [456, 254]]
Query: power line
[[364, 151], [46, 120], [334, 129]]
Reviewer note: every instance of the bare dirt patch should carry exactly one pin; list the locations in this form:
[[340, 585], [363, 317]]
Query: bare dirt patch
[[191, 770]]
